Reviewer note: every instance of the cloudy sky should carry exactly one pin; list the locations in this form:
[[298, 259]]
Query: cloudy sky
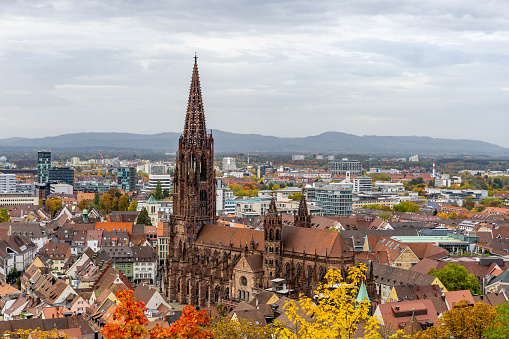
[[284, 68]]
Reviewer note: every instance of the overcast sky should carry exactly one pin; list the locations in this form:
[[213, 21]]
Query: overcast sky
[[283, 68]]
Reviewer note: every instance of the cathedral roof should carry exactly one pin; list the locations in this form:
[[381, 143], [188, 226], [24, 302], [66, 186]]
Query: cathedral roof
[[297, 239]]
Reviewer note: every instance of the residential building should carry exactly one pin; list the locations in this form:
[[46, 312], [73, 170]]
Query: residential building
[[137, 263], [58, 254], [7, 183], [43, 166], [16, 251], [126, 179]]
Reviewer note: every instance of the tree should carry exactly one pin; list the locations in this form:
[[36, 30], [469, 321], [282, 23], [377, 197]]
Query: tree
[[456, 278], [158, 194], [453, 215], [53, 205], [295, 196], [4, 215], [500, 327], [96, 200], [106, 202], [336, 313], [129, 317], [84, 204], [462, 322], [406, 206], [385, 216], [468, 203], [166, 193], [443, 215], [123, 202], [133, 206], [143, 218], [192, 324], [35, 334], [227, 328]]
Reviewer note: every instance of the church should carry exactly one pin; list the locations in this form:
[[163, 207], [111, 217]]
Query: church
[[207, 263]]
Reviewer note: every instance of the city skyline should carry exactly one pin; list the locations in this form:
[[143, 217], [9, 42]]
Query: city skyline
[[284, 69]]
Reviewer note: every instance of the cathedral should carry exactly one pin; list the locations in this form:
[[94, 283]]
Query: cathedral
[[208, 263]]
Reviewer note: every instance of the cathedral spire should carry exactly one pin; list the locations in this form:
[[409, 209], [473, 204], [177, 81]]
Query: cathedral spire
[[272, 212], [195, 132], [302, 218]]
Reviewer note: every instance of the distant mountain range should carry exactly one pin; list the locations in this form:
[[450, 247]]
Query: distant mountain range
[[329, 142]]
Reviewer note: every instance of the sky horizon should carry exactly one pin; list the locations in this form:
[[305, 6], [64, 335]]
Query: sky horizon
[[280, 68]]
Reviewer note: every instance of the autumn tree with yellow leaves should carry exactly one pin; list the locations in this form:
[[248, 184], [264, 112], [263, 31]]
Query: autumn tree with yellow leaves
[[335, 313], [463, 321], [227, 328]]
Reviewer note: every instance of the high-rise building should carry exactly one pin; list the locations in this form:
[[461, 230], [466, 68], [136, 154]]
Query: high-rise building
[[126, 179], [340, 167], [43, 166], [7, 183], [62, 174]]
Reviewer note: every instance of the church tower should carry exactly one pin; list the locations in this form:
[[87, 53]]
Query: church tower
[[194, 202], [302, 217], [272, 229], [194, 197]]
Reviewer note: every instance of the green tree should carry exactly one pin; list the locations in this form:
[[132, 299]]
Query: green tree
[[500, 327], [97, 196], [385, 216], [456, 278], [143, 218], [166, 193], [468, 203], [158, 194], [84, 204], [4, 215], [406, 206], [295, 196], [133, 206]]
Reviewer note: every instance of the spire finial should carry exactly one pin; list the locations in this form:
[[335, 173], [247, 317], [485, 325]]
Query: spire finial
[[195, 58]]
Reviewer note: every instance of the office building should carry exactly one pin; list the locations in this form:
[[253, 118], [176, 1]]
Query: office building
[[165, 179], [229, 164], [7, 183], [43, 166], [340, 167], [62, 174], [126, 179], [334, 200]]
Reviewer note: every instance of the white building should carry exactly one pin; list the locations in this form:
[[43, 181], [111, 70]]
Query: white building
[[297, 157], [229, 164], [165, 179], [222, 195], [18, 199], [61, 189], [7, 183]]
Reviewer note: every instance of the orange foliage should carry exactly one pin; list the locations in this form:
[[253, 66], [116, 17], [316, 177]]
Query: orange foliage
[[192, 324], [129, 318]]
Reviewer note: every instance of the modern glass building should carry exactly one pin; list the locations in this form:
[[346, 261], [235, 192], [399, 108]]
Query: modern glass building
[[43, 166], [334, 200], [126, 179], [62, 174]]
